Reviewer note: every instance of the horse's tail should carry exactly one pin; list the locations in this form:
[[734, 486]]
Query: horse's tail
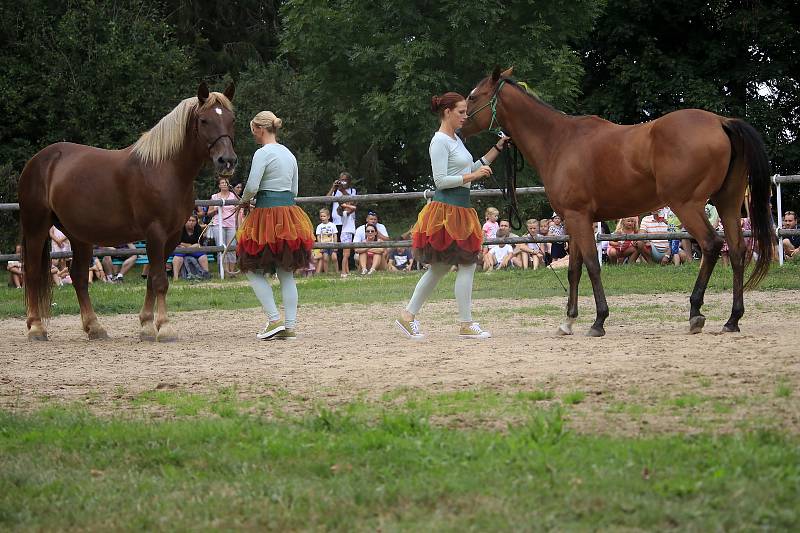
[[35, 218], [747, 144], [37, 280]]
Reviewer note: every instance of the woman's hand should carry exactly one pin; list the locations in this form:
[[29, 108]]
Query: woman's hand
[[482, 172], [503, 142]]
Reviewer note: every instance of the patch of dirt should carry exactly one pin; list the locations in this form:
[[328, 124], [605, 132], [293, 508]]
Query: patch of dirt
[[646, 375]]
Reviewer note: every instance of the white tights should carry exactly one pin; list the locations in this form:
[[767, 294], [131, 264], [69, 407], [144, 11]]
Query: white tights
[[288, 292], [431, 278]]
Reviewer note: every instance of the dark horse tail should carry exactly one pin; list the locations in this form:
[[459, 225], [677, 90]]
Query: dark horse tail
[[747, 143], [37, 288], [36, 265]]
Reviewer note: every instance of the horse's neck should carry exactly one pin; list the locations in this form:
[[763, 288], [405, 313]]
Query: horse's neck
[[533, 126], [189, 160]]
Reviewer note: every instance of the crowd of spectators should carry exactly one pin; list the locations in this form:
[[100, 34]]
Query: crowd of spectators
[[217, 225]]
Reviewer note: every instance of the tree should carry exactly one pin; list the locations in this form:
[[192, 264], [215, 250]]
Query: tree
[[736, 58], [371, 67], [97, 73]]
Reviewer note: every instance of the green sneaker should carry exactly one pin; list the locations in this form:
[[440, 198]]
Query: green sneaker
[[271, 330], [286, 334]]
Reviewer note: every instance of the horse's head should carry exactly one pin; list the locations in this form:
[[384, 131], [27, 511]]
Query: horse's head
[[481, 103], [215, 127]]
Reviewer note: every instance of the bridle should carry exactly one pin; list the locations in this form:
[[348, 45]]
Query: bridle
[[513, 164], [492, 104]]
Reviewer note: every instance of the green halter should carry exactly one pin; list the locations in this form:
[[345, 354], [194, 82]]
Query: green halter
[[492, 103]]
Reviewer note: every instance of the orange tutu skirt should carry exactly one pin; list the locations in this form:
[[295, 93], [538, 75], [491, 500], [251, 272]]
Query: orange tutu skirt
[[275, 237], [446, 233]]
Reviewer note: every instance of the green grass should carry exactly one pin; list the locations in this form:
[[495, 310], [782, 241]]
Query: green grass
[[368, 466], [332, 291]]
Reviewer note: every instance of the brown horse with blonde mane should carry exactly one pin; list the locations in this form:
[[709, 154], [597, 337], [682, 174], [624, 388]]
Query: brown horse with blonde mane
[[109, 197], [595, 170]]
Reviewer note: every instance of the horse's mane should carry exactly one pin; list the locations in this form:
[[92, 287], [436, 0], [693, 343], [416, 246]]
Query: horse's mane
[[164, 139], [527, 91]]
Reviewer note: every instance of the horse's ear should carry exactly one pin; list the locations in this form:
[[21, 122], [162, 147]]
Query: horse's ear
[[229, 90], [202, 93], [508, 73], [496, 74]]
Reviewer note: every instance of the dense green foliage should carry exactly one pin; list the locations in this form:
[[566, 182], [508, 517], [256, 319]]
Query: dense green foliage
[[352, 78]]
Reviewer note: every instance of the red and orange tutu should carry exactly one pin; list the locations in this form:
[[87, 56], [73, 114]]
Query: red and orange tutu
[[446, 233], [273, 237]]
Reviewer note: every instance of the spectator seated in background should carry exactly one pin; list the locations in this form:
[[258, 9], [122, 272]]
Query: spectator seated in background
[[500, 256], [401, 259], [16, 276], [790, 243], [191, 265], [557, 229], [109, 267], [533, 251], [680, 249], [544, 230], [370, 259], [96, 271], [624, 251], [520, 258], [655, 251], [372, 219], [326, 232]]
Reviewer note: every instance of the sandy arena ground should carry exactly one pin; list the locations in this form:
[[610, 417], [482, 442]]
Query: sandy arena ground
[[645, 358]]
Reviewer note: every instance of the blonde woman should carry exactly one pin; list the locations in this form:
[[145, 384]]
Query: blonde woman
[[619, 251], [277, 236]]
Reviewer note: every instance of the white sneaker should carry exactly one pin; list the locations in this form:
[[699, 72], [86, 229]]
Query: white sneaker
[[411, 329], [271, 330], [473, 331]]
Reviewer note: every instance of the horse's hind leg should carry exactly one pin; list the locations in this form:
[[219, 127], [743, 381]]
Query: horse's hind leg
[[694, 219], [582, 242], [79, 271], [148, 328], [730, 211]]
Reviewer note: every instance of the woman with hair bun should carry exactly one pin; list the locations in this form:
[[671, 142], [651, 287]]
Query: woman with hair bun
[[277, 236], [448, 231]]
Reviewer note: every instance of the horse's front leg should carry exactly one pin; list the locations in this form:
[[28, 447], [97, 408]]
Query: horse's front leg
[[148, 328], [574, 276], [79, 271]]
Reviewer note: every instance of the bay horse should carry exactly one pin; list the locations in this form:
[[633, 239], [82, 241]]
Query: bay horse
[[112, 197], [595, 170]]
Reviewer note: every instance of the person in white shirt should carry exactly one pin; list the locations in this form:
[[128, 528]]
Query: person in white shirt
[[277, 235], [344, 216], [326, 232], [372, 218], [448, 232], [655, 251]]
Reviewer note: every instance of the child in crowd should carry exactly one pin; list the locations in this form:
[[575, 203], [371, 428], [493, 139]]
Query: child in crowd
[[544, 229], [401, 260], [534, 250], [326, 232], [498, 255], [491, 225]]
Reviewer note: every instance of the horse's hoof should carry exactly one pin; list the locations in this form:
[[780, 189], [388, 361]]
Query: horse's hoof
[[594, 332], [37, 336], [730, 329], [696, 324], [564, 329], [97, 334], [166, 334], [148, 332]]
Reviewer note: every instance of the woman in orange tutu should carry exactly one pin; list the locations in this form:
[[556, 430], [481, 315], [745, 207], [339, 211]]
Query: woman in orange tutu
[[448, 231], [277, 235]]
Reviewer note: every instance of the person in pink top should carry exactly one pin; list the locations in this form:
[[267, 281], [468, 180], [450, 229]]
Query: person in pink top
[[228, 223]]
